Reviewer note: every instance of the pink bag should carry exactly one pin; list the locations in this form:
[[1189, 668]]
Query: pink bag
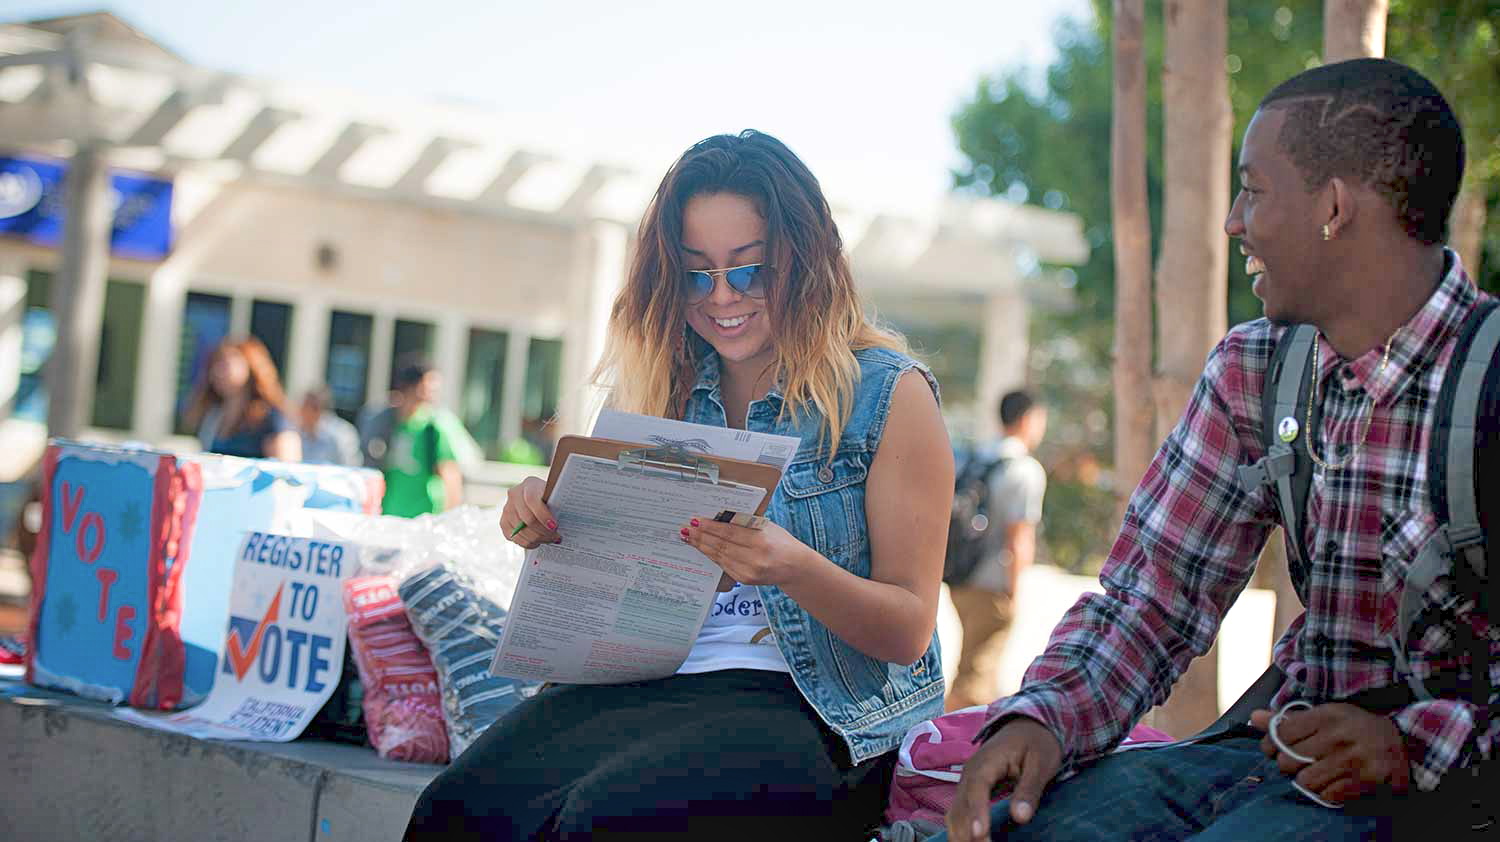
[[932, 758], [403, 706]]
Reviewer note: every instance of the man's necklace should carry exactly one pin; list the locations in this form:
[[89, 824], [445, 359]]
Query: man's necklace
[[1369, 412]]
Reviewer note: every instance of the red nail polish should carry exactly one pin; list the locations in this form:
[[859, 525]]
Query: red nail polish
[[552, 525], [695, 521], [685, 533]]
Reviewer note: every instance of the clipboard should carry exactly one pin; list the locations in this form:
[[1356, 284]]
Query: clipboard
[[629, 583], [684, 464]]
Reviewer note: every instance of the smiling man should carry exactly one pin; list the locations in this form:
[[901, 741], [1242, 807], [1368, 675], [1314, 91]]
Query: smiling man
[[1349, 172]]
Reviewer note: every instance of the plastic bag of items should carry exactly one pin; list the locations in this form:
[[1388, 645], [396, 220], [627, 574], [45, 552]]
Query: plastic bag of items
[[457, 574], [402, 703], [461, 629]]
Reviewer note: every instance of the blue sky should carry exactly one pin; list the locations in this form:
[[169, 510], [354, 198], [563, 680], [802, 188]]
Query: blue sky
[[862, 90]]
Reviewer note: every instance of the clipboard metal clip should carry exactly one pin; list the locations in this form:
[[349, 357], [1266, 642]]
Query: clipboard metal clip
[[672, 460]]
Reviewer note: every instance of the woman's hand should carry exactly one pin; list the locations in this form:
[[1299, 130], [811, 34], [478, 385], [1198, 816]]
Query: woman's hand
[[766, 556], [523, 505]]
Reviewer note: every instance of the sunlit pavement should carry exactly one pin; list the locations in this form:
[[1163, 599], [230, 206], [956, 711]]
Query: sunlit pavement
[[1047, 593]]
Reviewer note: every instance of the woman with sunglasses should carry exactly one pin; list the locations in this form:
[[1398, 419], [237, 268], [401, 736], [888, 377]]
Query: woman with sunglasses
[[740, 310]]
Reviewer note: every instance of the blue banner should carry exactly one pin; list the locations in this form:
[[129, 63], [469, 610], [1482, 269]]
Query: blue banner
[[32, 206]]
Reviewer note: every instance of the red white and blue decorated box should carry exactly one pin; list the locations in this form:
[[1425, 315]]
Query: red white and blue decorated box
[[133, 568]]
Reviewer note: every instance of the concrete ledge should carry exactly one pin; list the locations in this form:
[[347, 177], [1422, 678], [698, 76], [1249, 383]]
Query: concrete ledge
[[72, 771]]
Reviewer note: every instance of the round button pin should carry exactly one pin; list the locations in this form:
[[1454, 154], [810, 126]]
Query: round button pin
[[1287, 429], [825, 474]]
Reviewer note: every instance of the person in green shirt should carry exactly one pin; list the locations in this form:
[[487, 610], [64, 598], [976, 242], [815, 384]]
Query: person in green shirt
[[421, 473]]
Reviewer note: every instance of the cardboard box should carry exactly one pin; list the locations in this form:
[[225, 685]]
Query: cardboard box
[[133, 568]]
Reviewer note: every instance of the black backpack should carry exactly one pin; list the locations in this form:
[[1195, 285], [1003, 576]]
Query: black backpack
[[1464, 446], [973, 534], [375, 444]]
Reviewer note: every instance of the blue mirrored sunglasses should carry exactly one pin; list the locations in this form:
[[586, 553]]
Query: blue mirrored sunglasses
[[750, 279]]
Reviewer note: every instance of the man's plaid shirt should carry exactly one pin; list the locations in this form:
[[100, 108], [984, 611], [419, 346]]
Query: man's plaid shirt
[[1191, 537]]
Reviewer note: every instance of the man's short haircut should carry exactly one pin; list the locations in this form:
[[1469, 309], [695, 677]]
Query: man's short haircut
[[1015, 405], [1377, 122], [410, 370], [319, 396]]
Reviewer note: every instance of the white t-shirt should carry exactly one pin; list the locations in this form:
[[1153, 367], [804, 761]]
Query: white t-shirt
[[736, 635]]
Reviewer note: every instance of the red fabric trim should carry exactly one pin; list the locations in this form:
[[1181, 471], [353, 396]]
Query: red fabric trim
[[39, 557], [146, 691], [174, 509], [374, 493], [189, 480]]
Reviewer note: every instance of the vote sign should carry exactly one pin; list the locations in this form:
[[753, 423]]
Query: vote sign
[[284, 645], [105, 595]]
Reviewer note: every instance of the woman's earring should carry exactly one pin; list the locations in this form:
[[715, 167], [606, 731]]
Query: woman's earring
[[1327, 234]]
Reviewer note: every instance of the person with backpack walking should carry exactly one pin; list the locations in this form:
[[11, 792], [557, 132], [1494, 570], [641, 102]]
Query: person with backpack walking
[[997, 503], [1377, 715], [421, 473]]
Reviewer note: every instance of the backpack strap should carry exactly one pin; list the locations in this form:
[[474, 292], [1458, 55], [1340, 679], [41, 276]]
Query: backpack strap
[[430, 438], [1460, 418], [995, 466], [1453, 479], [1284, 403], [973, 469], [1284, 400], [1460, 452], [1257, 697]]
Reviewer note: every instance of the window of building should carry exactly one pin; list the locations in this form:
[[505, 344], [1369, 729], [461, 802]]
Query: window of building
[[271, 323], [205, 323], [38, 336], [543, 381], [484, 378], [348, 369], [409, 338], [119, 351], [119, 355]]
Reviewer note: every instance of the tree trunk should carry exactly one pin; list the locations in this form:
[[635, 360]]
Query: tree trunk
[[1135, 438], [1353, 29], [1192, 275], [1467, 225]]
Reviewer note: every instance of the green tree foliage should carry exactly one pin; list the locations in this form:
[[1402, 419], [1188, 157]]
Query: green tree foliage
[[1045, 139], [1456, 43]]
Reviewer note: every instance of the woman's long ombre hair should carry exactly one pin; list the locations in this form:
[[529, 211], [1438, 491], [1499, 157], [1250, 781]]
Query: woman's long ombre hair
[[817, 320]]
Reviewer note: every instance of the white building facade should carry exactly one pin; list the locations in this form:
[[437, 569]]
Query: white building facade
[[345, 230]]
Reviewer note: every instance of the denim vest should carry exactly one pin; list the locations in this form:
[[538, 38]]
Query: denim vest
[[867, 702]]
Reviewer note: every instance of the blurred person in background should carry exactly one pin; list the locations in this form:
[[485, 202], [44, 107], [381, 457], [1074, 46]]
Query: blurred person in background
[[375, 423], [238, 407], [1008, 484], [326, 438], [421, 472]]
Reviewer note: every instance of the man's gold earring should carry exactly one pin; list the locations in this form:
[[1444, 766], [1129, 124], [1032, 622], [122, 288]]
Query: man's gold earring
[[1327, 234]]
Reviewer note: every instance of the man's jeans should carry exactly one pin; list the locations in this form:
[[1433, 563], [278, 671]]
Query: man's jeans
[[1221, 791]]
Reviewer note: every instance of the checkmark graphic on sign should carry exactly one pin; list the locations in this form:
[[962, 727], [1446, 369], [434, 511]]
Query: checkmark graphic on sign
[[241, 657]]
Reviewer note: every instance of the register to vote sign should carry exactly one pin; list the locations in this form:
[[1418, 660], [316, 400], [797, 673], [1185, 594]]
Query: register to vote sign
[[283, 649]]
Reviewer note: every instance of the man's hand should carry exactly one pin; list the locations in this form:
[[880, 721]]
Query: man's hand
[[1354, 751], [1024, 753]]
